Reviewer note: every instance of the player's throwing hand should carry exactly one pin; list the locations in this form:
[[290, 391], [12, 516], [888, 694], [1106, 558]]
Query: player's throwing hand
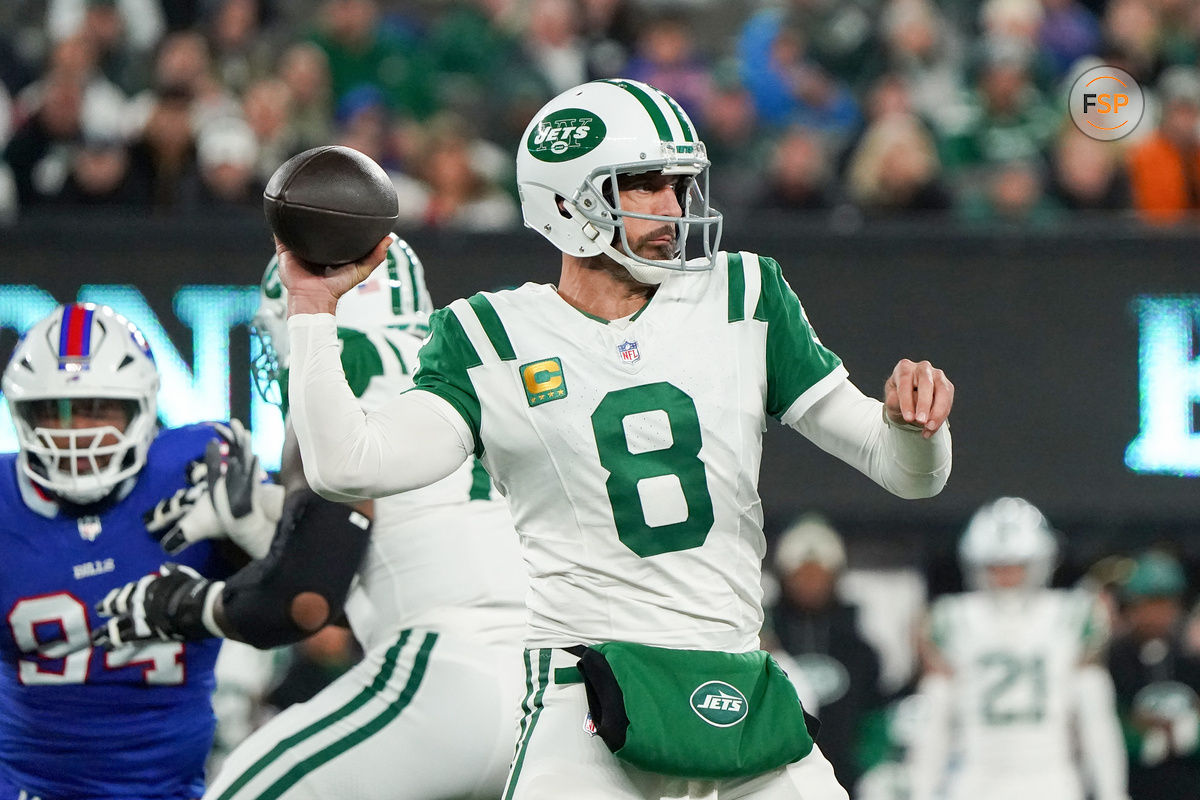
[[313, 290]]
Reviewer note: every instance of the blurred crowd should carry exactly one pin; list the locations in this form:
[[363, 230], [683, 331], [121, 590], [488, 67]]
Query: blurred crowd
[[873, 108]]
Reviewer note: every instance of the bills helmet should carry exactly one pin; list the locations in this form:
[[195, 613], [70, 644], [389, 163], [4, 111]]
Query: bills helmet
[[82, 353]]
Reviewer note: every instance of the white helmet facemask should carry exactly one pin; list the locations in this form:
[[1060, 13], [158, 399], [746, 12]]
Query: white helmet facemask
[[82, 360], [574, 151], [393, 296]]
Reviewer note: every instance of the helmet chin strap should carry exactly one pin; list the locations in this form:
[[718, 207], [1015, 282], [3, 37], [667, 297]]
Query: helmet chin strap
[[642, 273]]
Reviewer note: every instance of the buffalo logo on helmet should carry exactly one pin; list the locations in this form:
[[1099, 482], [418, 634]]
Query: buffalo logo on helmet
[[566, 134]]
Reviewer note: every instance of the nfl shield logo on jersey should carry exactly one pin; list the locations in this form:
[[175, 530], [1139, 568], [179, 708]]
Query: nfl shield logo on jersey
[[628, 351], [89, 527]]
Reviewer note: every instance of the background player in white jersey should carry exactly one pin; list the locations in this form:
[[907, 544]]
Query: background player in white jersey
[[621, 412], [1014, 690], [437, 604]]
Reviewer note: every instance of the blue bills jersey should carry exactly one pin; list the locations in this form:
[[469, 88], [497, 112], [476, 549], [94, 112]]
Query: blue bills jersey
[[134, 723]]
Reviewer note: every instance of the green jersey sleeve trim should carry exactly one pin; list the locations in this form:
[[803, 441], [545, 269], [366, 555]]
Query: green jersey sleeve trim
[[797, 362], [493, 327], [444, 360]]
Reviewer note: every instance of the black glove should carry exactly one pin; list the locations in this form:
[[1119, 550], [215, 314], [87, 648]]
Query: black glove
[[174, 605], [225, 498]]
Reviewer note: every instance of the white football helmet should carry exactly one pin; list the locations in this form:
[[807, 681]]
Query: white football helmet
[[392, 296], [577, 145], [82, 351], [1005, 532]]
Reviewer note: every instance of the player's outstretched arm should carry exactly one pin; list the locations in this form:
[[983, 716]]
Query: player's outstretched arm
[[348, 453], [909, 460]]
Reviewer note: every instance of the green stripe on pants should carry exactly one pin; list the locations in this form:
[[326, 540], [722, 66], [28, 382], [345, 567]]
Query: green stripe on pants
[[360, 735], [532, 712], [358, 701]]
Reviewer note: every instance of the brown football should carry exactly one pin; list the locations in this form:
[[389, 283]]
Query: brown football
[[330, 205]]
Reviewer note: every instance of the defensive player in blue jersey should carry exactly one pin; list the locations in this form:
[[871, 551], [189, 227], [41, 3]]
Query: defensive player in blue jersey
[[133, 723]]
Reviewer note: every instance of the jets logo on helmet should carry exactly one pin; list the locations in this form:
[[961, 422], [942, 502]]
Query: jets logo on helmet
[[578, 145], [566, 134], [79, 358]]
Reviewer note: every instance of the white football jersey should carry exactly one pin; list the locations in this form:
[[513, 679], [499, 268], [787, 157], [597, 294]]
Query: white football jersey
[[1014, 657], [629, 450], [444, 556]]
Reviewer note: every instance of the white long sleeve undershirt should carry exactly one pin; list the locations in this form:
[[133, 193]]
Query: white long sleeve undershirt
[[851, 426], [418, 438]]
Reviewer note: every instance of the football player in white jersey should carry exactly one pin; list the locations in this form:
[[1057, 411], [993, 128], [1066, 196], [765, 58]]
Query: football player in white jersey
[[437, 602], [1015, 697], [621, 412]]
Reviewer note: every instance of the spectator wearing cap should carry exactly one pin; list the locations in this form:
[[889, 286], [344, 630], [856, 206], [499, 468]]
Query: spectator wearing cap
[[99, 173], [1164, 169], [226, 152], [1157, 682], [821, 634]]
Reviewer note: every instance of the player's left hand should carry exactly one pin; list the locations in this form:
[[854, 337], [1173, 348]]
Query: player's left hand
[[174, 604], [226, 498], [918, 393]]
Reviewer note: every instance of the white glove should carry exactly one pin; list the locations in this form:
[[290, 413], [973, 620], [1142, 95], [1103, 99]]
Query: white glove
[[226, 498]]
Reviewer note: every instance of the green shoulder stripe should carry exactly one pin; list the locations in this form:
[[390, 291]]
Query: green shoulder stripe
[[796, 359], [444, 360], [737, 288], [493, 327]]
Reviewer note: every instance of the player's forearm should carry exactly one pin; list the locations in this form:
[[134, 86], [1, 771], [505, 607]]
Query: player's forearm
[[350, 454], [851, 426], [1101, 742]]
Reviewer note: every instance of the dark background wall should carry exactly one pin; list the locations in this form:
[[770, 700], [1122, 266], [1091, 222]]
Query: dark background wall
[[1037, 331]]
